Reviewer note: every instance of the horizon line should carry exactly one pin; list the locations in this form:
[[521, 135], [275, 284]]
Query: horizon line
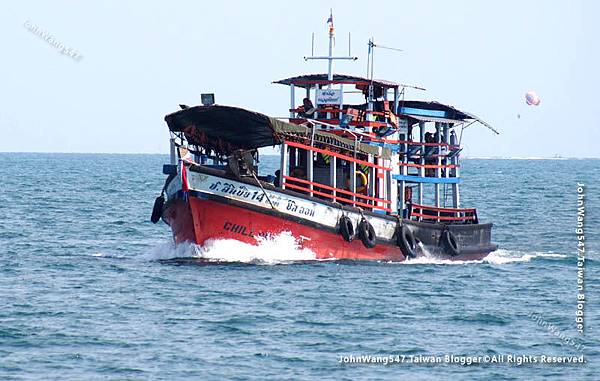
[[167, 154]]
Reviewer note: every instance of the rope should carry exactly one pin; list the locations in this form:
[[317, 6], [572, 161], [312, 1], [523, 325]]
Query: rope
[[263, 189]]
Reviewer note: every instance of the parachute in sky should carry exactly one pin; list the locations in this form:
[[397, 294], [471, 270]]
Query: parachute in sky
[[532, 98]]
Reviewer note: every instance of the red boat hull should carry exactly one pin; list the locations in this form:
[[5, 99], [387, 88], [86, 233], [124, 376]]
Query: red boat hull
[[201, 219]]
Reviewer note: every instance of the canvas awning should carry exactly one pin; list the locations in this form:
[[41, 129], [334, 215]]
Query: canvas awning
[[225, 129], [437, 112], [420, 118]]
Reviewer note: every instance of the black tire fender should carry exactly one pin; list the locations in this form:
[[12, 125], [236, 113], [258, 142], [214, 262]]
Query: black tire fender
[[157, 209], [449, 243], [367, 235], [405, 239], [346, 228]]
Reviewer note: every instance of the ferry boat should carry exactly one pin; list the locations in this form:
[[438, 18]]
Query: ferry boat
[[376, 179]]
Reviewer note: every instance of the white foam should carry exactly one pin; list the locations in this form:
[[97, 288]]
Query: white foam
[[168, 250], [281, 248], [498, 257]]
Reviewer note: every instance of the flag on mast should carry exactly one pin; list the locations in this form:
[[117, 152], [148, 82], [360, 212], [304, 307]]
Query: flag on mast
[[330, 21]]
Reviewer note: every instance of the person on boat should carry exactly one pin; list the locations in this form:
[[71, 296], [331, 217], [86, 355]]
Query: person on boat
[[453, 140], [429, 138], [308, 109], [408, 194], [298, 173], [277, 181]]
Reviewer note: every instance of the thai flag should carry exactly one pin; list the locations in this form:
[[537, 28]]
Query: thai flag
[[330, 21]]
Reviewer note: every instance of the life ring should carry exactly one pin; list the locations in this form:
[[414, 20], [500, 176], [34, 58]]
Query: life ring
[[157, 209], [448, 242], [346, 228], [405, 239], [364, 183], [367, 234]]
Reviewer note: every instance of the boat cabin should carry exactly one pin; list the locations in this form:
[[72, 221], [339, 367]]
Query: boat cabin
[[348, 140], [386, 155]]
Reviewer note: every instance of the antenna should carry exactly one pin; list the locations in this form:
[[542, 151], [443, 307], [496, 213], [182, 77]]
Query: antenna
[[349, 44], [369, 57], [372, 47], [330, 57], [387, 47], [412, 87]]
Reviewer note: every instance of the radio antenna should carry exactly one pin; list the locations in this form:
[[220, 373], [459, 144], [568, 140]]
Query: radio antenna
[[349, 44], [372, 46]]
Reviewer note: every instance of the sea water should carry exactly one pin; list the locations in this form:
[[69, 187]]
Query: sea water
[[90, 289]]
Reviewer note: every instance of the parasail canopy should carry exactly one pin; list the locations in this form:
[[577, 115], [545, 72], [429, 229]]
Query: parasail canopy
[[532, 98]]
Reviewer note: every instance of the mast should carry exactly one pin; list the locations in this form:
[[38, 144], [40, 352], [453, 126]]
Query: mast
[[330, 57]]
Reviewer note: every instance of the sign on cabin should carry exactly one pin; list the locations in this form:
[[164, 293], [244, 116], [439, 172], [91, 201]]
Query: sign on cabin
[[403, 125], [329, 96]]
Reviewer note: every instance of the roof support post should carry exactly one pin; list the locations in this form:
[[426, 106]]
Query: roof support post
[[455, 196], [422, 161], [292, 99], [333, 176], [340, 114], [371, 179], [353, 180], [283, 170], [446, 170], [390, 192], [173, 156], [404, 172], [438, 171], [455, 187], [309, 169], [380, 186]]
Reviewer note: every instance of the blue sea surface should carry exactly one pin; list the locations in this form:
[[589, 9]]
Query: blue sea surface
[[89, 289]]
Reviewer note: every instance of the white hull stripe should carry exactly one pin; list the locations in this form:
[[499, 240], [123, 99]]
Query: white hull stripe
[[286, 204]]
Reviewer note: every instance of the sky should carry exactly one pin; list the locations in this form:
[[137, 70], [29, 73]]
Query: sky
[[139, 59]]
